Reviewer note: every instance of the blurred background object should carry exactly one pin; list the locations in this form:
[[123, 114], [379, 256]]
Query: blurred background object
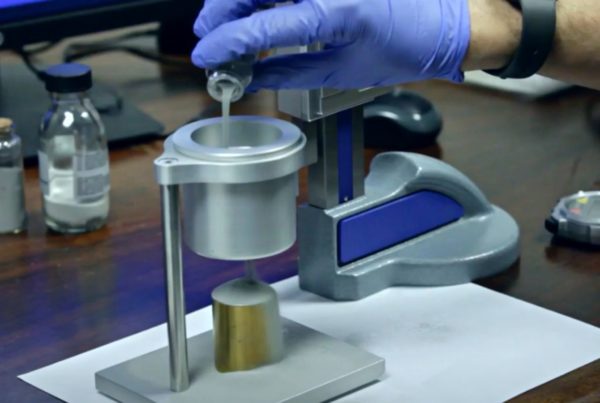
[[593, 114], [13, 216], [402, 120], [30, 27], [24, 22]]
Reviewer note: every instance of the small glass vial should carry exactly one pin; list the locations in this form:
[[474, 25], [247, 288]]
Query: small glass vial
[[73, 154], [13, 216], [237, 74]]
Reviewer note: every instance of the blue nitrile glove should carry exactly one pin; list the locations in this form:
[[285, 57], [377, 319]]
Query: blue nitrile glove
[[368, 42]]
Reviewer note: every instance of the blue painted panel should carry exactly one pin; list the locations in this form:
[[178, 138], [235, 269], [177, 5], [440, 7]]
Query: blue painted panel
[[392, 223], [345, 171]]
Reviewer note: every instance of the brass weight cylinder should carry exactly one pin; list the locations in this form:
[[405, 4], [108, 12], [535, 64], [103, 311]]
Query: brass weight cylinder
[[247, 325]]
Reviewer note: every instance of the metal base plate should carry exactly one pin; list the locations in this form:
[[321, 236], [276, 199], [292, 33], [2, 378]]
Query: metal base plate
[[316, 367]]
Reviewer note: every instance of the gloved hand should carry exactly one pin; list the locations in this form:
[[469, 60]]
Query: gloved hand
[[368, 42]]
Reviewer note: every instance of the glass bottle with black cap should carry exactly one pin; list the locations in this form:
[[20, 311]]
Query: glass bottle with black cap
[[73, 154]]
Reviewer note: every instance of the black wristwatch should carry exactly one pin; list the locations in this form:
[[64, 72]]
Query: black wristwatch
[[537, 39]]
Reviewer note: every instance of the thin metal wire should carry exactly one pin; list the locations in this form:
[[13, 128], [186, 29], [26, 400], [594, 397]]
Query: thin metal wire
[[250, 268]]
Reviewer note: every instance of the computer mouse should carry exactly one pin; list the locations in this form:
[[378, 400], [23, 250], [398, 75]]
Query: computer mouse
[[593, 115], [401, 120]]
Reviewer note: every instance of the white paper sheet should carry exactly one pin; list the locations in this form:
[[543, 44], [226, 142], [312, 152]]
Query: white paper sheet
[[451, 344]]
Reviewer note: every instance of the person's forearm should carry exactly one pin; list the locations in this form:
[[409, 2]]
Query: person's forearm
[[575, 58]]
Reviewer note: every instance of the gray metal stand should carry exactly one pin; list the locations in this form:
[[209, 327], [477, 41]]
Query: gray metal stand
[[315, 368]]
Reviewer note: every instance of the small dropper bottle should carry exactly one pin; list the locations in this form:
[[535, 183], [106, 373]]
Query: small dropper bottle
[[236, 74], [13, 216]]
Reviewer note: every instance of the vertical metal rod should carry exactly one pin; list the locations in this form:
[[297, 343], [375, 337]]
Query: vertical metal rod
[[338, 175], [358, 152], [345, 169], [250, 270], [178, 354], [323, 184]]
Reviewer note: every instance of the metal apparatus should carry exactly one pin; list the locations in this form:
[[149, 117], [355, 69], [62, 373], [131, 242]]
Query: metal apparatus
[[239, 204], [229, 193], [413, 221]]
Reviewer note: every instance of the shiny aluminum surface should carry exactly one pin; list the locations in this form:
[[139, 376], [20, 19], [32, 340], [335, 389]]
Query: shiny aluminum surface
[[178, 353], [239, 202]]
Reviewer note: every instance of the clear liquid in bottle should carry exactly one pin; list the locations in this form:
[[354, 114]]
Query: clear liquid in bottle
[[73, 156]]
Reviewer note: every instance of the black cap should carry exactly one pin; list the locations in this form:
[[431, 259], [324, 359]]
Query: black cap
[[68, 77]]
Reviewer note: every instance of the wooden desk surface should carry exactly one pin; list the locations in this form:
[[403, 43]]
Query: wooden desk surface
[[63, 295]]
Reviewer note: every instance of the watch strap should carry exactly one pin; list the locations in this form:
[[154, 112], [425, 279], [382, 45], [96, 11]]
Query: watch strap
[[537, 39]]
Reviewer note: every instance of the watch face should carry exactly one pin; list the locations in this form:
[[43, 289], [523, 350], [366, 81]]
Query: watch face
[[585, 208], [577, 205], [594, 210]]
